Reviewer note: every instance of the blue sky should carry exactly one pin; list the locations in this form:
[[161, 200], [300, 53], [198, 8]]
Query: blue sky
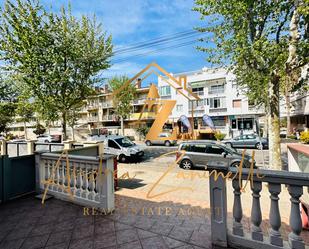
[[132, 21]]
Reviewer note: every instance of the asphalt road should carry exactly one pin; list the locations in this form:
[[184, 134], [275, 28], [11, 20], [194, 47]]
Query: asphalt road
[[155, 151]]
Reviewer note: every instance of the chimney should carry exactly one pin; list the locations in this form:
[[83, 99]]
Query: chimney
[[138, 83]]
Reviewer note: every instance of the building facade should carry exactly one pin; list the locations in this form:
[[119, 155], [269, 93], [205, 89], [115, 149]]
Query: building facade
[[220, 98]]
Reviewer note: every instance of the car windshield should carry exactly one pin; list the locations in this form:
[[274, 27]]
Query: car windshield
[[124, 142]]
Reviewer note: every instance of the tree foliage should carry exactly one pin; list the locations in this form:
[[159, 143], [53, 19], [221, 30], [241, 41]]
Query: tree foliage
[[57, 56], [8, 96], [257, 38], [122, 101]]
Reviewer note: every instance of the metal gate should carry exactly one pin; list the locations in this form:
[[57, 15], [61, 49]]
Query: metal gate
[[17, 176]]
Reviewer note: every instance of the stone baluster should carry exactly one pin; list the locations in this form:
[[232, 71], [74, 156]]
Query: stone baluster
[[63, 176], [85, 182], [256, 214], [274, 215], [50, 172], [237, 209], [79, 180], [73, 179], [57, 178], [295, 220], [92, 184]]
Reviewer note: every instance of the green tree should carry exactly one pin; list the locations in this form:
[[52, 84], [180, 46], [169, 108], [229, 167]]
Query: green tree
[[57, 56], [253, 37], [39, 129], [24, 112], [8, 95], [122, 101]]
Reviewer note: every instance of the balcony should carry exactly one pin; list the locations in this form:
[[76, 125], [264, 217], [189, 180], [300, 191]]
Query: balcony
[[93, 107], [93, 119], [188, 210], [107, 105], [221, 109], [146, 115], [139, 101]]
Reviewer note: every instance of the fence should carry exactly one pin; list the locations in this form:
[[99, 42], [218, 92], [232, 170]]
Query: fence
[[235, 236], [13, 149], [17, 176], [85, 180]]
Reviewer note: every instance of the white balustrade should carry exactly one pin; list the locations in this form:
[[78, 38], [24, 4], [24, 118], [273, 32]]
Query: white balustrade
[[80, 181]]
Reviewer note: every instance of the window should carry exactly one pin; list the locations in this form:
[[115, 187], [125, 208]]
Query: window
[[250, 137], [245, 123], [199, 90], [165, 91], [216, 89], [201, 148], [218, 121], [217, 103], [214, 149], [234, 124], [196, 103], [236, 103], [112, 144], [124, 142], [179, 108]]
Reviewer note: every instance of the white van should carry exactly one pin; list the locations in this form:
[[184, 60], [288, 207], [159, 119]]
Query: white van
[[120, 146]]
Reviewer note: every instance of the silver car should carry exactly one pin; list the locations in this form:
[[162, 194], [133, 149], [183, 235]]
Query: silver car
[[163, 139], [247, 141], [202, 153]]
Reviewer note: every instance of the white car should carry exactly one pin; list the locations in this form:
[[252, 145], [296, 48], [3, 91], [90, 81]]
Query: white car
[[48, 138], [121, 146], [163, 139]]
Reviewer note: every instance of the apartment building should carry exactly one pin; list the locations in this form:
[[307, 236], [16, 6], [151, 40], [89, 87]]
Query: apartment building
[[98, 112], [220, 98], [299, 112]]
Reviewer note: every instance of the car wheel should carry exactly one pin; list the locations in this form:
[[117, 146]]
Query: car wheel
[[122, 158], [229, 145], [46, 141], [235, 164], [148, 143], [259, 146], [186, 164], [167, 143]]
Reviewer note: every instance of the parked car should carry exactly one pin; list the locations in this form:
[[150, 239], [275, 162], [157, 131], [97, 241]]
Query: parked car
[[283, 132], [247, 141], [49, 138], [122, 147], [202, 153], [162, 140]]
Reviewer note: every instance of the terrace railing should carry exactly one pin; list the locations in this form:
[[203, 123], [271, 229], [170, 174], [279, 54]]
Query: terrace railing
[[84, 180], [236, 236]]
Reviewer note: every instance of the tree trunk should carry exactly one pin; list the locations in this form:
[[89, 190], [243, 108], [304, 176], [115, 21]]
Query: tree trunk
[[25, 129], [288, 113], [64, 126], [122, 127], [274, 124], [73, 134]]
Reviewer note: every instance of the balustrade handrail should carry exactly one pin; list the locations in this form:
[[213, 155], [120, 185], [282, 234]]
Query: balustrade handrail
[[75, 158], [266, 175]]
